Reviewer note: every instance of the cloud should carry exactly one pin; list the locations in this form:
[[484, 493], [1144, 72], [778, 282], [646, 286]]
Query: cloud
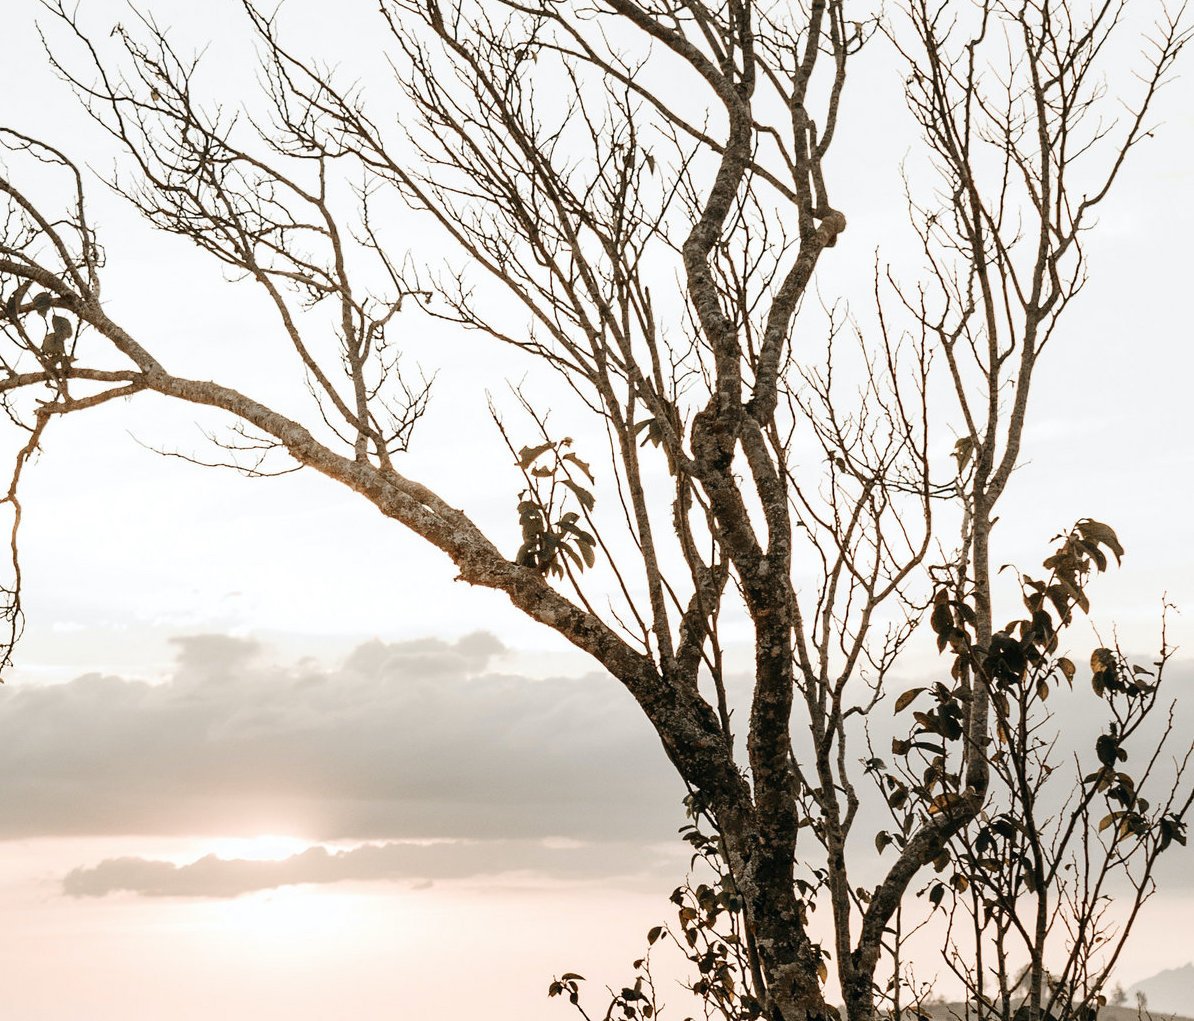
[[416, 739], [212, 876], [404, 741]]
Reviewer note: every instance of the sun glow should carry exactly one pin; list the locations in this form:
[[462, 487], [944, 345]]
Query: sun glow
[[266, 847]]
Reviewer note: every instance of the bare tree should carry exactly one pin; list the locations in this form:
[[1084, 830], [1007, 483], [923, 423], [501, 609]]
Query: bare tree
[[644, 185]]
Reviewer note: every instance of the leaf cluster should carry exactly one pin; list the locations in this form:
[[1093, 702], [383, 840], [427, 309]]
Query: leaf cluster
[[50, 348], [555, 539]]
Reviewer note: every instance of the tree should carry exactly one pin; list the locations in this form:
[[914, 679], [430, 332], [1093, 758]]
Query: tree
[[583, 160]]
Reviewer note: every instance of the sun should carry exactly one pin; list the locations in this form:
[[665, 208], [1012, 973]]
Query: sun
[[265, 847]]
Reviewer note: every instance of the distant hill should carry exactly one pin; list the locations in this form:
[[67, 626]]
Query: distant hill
[[1167, 990], [954, 1011]]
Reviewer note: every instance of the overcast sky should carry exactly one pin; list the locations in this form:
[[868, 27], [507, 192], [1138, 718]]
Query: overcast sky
[[468, 805]]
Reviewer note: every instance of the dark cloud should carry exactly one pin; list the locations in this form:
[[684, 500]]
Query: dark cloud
[[212, 876], [414, 739]]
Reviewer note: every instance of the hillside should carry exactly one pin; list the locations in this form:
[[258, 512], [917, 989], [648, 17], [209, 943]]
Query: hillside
[[1172, 989], [955, 1011]]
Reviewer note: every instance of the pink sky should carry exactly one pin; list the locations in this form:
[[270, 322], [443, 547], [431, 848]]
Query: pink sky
[[347, 691]]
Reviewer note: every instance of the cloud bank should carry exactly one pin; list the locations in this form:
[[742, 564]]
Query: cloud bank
[[411, 740], [403, 742]]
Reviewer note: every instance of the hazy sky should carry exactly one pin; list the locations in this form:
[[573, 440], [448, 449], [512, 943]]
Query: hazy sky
[[228, 687]]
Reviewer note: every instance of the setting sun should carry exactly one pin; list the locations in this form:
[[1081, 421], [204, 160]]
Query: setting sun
[[266, 847]]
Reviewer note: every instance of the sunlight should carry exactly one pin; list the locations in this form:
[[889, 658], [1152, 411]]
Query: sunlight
[[289, 917], [265, 847]]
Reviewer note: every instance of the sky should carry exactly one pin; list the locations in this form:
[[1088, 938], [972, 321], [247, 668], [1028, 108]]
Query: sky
[[259, 748]]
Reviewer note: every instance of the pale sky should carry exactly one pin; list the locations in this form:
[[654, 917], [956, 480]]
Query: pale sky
[[229, 687]]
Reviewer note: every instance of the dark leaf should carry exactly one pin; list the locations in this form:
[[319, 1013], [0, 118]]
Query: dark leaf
[[528, 454], [1066, 666], [1104, 535], [582, 465]]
